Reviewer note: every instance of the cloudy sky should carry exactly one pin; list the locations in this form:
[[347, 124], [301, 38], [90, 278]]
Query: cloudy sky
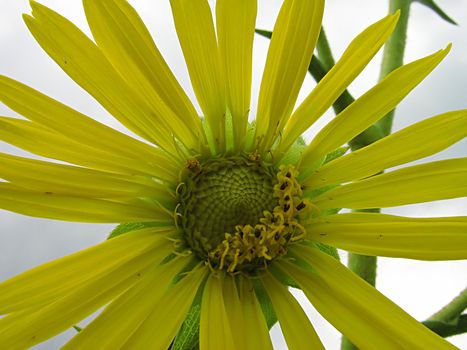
[[421, 288]]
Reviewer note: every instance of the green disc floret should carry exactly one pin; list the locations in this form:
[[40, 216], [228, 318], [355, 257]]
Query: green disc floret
[[238, 213]]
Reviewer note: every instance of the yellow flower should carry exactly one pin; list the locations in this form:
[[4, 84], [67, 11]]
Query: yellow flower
[[221, 215]]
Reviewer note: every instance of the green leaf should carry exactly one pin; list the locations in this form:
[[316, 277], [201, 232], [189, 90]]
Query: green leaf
[[327, 249], [335, 154], [432, 5], [294, 154], [188, 335], [130, 226], [283, 277], [265, 302], [265, 33]]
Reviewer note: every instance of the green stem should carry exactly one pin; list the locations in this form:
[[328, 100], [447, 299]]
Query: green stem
[[453, 310], [393, 55], [324, 50], [450, 320], [445, 329]]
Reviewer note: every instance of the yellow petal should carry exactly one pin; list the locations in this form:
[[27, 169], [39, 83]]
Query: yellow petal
[[295, 34], [82, 129], [76, 181], [444, 179], [60, 207], [383, 235], [126, 42], [51, 319], [414, 142], [360, 51], [82, 60], [295, 325], [126, 313], [255, 330], [234, 310], [370, 107], [44, 142], [214, 330], [165, 320], [195, 29], [357, 309], [235, 30], [52, 280]]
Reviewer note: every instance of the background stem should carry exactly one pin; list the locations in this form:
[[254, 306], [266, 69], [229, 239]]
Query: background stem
[[453, 310], [393, 55]]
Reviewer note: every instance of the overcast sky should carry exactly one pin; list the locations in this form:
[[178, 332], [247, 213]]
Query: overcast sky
[[421, 288]]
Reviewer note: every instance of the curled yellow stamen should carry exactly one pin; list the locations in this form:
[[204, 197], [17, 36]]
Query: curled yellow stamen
[[251, 247]]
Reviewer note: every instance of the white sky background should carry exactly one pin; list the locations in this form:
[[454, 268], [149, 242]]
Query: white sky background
[[421, 288]]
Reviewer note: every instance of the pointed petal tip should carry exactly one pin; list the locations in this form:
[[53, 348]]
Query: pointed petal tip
[[448, 48], [36, 6], [27, 18], [394, 18], [397, 13]]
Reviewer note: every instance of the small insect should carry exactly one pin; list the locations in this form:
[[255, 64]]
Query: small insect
[[193, 165], [255, 156]]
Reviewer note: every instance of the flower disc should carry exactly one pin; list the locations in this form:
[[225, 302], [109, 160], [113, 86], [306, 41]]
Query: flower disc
[[219, 194]]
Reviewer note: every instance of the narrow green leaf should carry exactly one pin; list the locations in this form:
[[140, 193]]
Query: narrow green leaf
[[265, 302], [188, 335], [128, 227], [433, 6], [263, 32]]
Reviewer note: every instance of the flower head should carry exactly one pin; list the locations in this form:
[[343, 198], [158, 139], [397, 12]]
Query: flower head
[[220, 215]]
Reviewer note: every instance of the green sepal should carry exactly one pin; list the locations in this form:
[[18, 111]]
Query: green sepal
[[229, 133], [188, 335], [209, 137], [250, 136], [283, 277], [130, 226], [433, 6], [311, 193], [310, 168], [327, 249], [265, 303], [294, 153], [335, 154], [190, 266]]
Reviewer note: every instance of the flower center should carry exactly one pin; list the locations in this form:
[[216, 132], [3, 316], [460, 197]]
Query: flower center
[[237, 213]]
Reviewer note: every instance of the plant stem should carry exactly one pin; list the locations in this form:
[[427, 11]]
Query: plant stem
[[393, 54], [453, 310], [324, 51], [450, 320], [445, 329]]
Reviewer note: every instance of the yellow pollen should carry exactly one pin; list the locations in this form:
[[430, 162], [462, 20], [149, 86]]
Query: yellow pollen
[[252, 247]]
